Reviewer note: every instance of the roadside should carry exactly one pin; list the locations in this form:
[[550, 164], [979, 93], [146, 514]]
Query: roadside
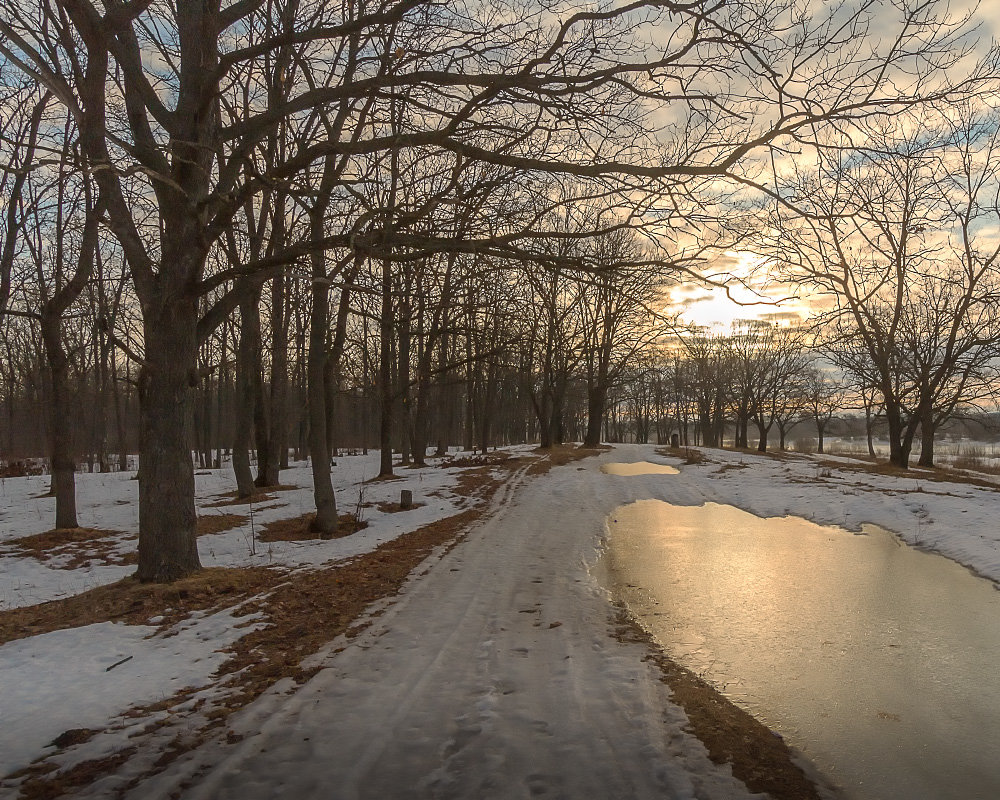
[[223, 637]]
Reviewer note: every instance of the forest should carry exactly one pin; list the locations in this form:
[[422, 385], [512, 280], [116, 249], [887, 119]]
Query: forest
[[279, 229]]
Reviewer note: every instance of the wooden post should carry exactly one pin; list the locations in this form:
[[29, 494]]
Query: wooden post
[[405, 499]]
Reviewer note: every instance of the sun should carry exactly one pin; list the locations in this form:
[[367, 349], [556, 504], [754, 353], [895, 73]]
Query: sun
[[751, 295]]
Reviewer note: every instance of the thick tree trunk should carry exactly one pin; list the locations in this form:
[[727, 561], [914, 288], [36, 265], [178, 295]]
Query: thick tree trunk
[[597, 396], [120, 425], [899, 448], [168, 547], [61, 411], [762, 441], [420, 428], [325, 522], [926, 439], [820, 430], [485, 429], [243, 424], [545, 434], [403, 383], [331, 384], [385, 372]]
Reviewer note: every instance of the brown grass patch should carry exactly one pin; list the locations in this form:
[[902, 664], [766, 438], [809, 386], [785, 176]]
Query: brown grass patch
[[389, 507], [40, 787], [80, 546], [217, 523], [758, 756], [730, 468], [482, 460], [560, 456], [299, 529], [935, 474], [135, 603], [232, 499]]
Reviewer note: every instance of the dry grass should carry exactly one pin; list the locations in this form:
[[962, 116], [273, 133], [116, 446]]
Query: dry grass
[[299, 529], [560, 456], [258, 496], [80, 546], [317, 606], [388, 507], [40, 787], [136, 603], [932, 474], [218, 523]]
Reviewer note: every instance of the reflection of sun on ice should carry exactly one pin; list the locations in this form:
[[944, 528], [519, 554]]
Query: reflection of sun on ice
[[711, 307]]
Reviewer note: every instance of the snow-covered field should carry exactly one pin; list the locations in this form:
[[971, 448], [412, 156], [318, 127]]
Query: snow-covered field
[[109, 502], [492, 675], [42, 675]]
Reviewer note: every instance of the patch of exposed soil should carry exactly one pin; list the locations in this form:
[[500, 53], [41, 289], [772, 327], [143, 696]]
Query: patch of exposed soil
[[691, 455], [559, 456], [758, 756], [40, 787], [136, 603], [388, 507], [483, 460], [299, 529], [217, 523], [731, 468], [233, 499], [77, 547]]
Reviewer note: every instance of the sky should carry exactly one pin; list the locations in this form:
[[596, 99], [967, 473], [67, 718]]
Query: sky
[[716, 309], [747, 296]]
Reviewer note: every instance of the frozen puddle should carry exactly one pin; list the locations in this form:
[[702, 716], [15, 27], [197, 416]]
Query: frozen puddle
[[639, 468], [879, 662]]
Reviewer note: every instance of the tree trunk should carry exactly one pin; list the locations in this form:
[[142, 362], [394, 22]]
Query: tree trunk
[[120, 428], [168, 547], [325, 522], [331, 384], [899, 450], [820, 430], [61, 401], [926, 439], [597, 396], [275, 455], [243, 423], [404, 337], [762, 441], [385, 372]]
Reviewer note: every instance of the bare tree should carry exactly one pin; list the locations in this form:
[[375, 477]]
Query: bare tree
[[899, 252], [824, 397], [169, 102]]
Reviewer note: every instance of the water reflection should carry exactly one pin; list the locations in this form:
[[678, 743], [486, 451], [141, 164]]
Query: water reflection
[[639, 468], [878, 661]]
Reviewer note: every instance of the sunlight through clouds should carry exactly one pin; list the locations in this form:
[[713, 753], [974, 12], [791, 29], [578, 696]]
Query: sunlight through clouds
[[749, 293]]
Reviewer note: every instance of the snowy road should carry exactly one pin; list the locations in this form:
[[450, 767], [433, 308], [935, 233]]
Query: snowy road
[[494, 675]]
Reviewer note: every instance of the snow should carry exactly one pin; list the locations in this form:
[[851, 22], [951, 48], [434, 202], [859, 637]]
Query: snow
[[68, 671], [494, 675], [491, 675], [109, 502]]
